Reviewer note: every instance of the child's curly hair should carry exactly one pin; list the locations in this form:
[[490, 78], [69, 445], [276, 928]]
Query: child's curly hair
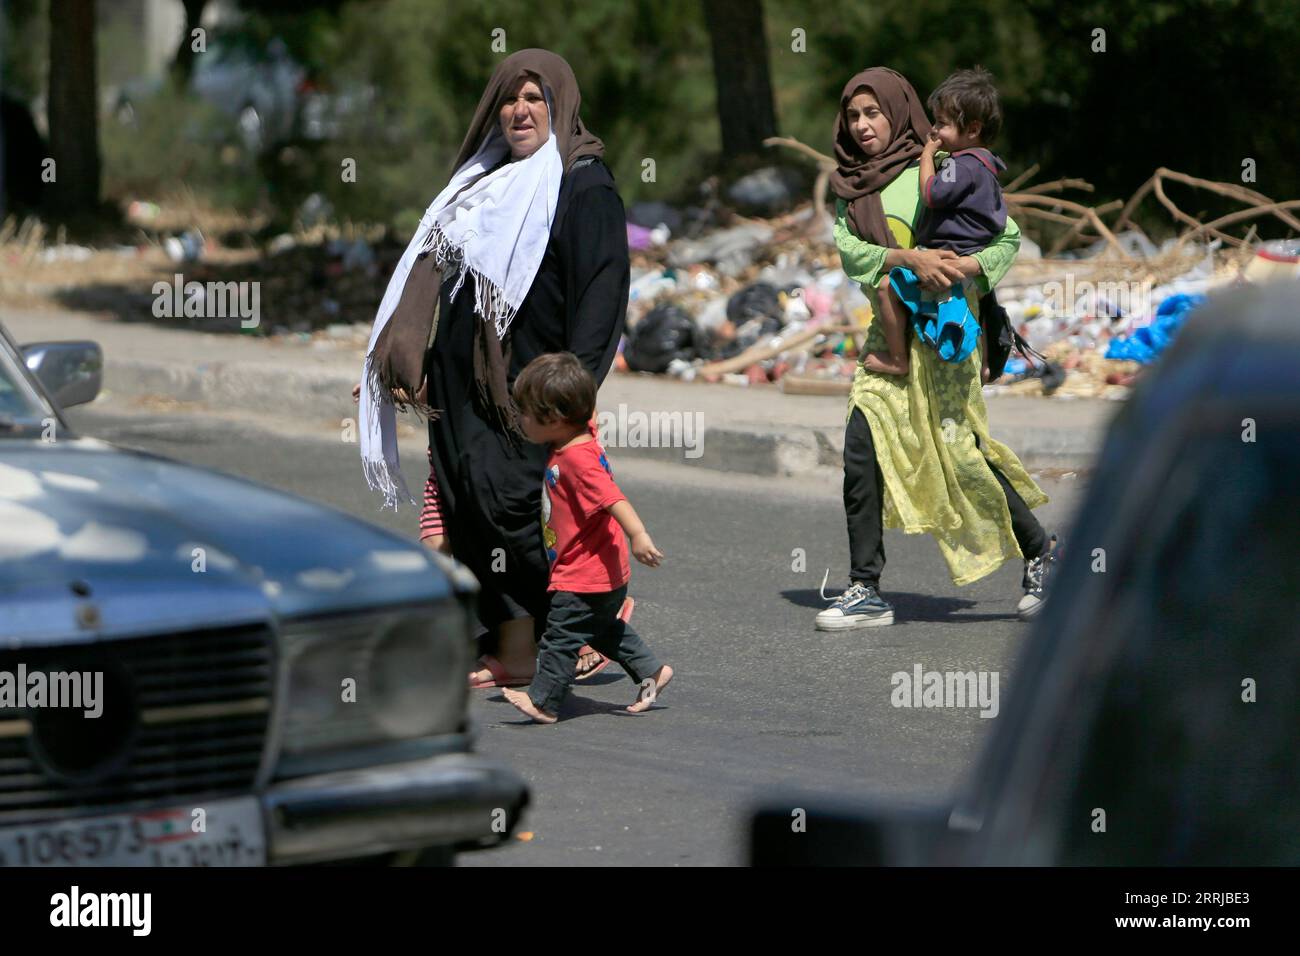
[[966, 97], [556, 387]]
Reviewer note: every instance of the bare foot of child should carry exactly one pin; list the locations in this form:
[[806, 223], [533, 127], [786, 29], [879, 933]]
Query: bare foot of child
[[525, 705], [649, 693], [881, 362]]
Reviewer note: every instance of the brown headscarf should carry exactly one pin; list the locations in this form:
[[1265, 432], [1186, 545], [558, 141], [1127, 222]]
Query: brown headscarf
[[859, 178], [399, 351], [573, 139]]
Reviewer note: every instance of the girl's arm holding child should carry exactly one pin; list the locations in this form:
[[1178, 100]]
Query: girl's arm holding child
[[643, 547]]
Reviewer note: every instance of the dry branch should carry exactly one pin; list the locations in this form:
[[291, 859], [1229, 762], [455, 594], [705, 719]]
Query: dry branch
[[1088, 213], [1228, 190], [1024, 177], [1274, 208], [1057, 186]]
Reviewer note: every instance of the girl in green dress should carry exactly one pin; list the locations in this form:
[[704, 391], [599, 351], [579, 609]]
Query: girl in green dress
[[917, 450]]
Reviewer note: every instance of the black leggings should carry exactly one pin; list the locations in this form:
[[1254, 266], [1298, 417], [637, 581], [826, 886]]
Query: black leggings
[[863, 503]]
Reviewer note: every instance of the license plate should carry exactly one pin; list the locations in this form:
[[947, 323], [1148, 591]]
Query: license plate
[[231, 835]]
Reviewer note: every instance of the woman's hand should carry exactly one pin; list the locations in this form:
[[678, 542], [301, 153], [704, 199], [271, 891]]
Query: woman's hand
[[644, 550], [936, 269], [399, 394]]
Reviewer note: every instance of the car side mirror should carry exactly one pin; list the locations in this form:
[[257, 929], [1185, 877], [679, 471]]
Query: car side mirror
[[72, 373], [819, 833]]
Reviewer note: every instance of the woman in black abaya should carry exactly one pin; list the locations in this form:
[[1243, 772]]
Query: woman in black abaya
[[524, 252]]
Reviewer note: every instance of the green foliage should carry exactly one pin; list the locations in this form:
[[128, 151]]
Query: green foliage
[[1195, 85], [643, 68], [24, 47], [177, 139]]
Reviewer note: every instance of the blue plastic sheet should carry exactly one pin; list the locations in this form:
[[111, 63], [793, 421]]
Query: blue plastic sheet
[[1146, 343]]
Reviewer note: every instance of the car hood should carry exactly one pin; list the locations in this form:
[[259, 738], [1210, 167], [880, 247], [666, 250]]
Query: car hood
[[99, 542]]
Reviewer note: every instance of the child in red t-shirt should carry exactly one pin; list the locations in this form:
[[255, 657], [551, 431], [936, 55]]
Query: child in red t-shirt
[[584, 517]]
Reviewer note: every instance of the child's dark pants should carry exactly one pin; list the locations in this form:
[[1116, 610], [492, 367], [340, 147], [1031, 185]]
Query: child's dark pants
[[863, 502], [577, 619]]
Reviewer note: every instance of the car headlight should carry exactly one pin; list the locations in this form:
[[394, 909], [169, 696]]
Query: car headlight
[[374, 678]]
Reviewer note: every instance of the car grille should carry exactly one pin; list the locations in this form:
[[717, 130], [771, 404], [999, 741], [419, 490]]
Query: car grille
[[191, 720]]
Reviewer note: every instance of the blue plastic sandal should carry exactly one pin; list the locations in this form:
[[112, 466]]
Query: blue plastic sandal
[[958, 332]]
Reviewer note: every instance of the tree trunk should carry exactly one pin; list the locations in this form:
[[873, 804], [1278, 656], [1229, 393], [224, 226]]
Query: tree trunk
[[73, 109], [183, 62], [740, 70]]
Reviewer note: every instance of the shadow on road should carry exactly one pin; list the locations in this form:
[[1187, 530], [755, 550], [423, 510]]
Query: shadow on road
[[908, 606], [575, 706]]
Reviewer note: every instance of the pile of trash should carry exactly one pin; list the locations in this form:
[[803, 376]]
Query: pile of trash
[[748, 304], [315, 278], [311, 280], [747, 301], [717, 296], [308, 284], [1101, 326]]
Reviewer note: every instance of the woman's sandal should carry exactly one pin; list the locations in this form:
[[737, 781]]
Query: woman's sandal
[[624, 615], [499, 676]]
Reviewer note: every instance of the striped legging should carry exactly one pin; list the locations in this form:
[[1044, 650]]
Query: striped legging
[[431, 517]]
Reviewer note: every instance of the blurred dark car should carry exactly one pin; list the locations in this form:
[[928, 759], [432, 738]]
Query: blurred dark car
[[1161, 695], [295, 674]]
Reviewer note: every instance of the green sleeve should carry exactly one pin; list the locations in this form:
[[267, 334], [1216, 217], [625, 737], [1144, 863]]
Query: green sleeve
[[995, 258], [863, 262]]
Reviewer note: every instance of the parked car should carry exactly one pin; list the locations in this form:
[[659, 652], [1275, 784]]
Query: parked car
[[1154, 717], [281, 683]]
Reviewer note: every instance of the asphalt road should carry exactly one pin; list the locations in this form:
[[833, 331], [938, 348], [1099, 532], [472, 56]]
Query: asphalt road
[[762, 706]]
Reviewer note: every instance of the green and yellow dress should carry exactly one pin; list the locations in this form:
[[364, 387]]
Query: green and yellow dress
[[924, 426]]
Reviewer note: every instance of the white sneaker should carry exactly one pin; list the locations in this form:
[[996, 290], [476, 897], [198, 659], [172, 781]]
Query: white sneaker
[[859, 606], [1037, 572]]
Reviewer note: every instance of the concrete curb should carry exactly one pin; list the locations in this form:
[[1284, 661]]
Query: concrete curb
[[757, 450], [278, 389]]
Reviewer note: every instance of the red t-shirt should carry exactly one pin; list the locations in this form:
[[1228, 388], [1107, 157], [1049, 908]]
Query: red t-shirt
[[585, 545]]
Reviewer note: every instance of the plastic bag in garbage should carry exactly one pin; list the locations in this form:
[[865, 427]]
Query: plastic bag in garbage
[[748, 334], [754, 301], [731, 250], [652, 214], [649, 285], [638, 237], [666, 333], [1146, 343], [766, 191], [711, 316]]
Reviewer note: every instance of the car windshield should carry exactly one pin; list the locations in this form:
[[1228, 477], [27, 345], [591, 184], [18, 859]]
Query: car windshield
[[20, 406]]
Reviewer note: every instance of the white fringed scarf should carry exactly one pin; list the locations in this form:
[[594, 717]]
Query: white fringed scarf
[[495, 232]]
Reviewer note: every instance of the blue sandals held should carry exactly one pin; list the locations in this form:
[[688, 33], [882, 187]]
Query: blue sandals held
[[947, 326]]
